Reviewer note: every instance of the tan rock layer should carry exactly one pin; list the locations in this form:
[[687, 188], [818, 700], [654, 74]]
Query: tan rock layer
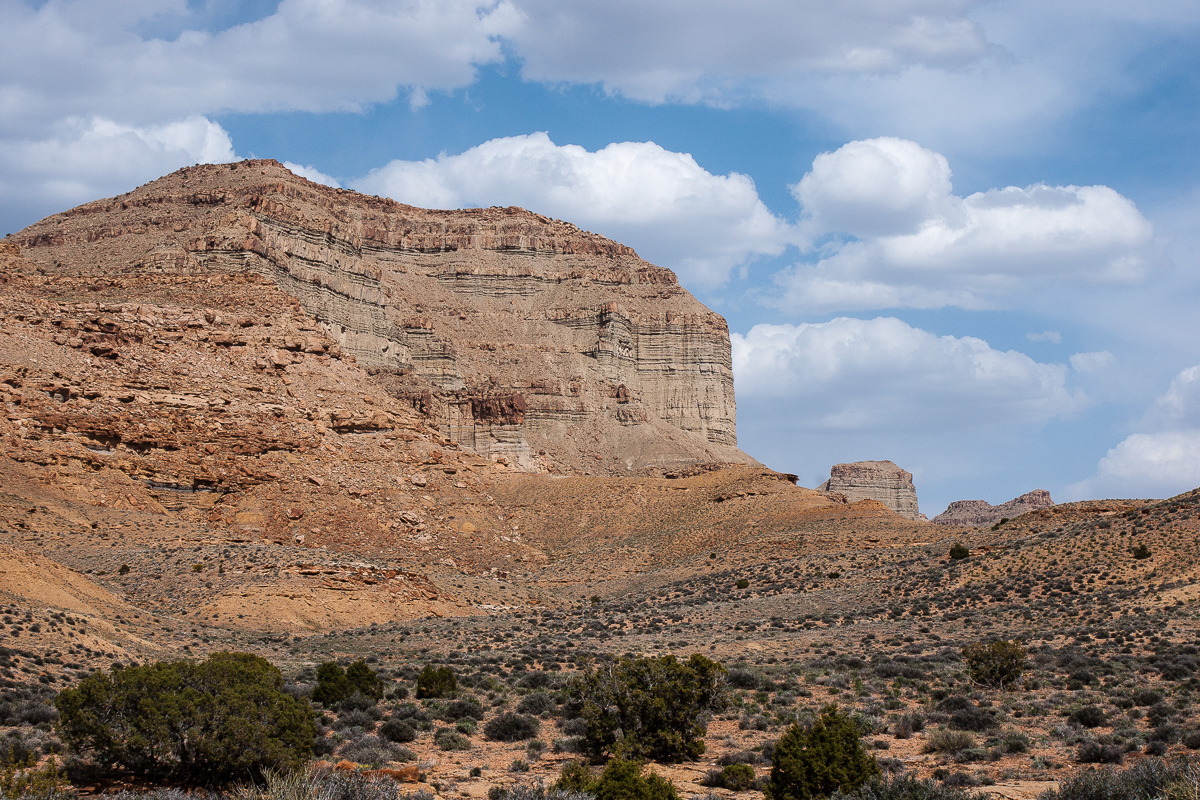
[[882, 481], [525, 338]]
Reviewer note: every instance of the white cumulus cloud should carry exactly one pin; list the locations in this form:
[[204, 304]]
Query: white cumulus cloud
[[714, 50], [895, 235], [86, 159], [1091, 362], [883, 374], [1162, 459], [665, 205]]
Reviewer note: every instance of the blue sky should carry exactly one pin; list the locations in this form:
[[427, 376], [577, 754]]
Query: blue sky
[[959, 235]]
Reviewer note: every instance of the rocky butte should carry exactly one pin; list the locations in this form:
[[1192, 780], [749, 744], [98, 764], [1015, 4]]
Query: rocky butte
[[521, 337], [882, 481], [980, 512]]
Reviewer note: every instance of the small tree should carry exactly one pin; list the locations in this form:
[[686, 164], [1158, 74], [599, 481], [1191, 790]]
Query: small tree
[[817, 761], [332, 684], [436, 682], [997, 664], [959, 551], [363, 679], [222, 720], [648, 707]]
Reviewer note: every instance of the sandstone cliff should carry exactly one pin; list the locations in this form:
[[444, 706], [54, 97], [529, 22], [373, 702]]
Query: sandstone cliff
[[523, 338], [981, 512], [882, 481]]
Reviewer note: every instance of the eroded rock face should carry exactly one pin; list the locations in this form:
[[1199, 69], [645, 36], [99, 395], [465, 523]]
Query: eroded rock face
[[875, 480], [524, 338], [981, 512]]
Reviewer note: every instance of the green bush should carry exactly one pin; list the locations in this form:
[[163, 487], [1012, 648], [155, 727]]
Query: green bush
[[818, 760], [996, 664], [575, 776], [434, 682], [1141, 551], [959, 551], [335, 684], [510, 727], [332, 684], [624, 780], [221, 720], [398, 730], [737, 777], [647, 707], [363, 679]]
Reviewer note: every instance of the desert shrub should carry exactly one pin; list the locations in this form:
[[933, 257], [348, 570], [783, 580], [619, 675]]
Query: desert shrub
[[945, 741], [996, 664], [1191, 740], [536, 680], [450, 739], [743, 583], [648, 707], [902, 787], [959, 551], [434, 682], [461, 709], [736, 778], [1141, 551], [31, 712], [1147, 779], [1096, 753], [537, 703], [360, 702], [1015, 742], [1088, 717], [511, 727], [972, 718], [625, 780], [356, 719], [816, 760], [741, 757], [743, 679], [1147, 697], [375, 751], [413, 713], [310, 785], [220, 720], [575, 776], [535, 790]]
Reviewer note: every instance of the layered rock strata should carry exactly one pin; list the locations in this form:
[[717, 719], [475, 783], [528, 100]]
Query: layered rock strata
[[882, 481], [524, 338], [981, 512]]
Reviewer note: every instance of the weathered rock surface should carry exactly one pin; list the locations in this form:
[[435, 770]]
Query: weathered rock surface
[[981, 512], [882, 481], [523, 338]]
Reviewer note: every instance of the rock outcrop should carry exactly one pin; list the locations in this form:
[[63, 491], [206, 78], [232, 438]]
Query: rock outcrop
[[882, 481], [523, 338], [981, 512]]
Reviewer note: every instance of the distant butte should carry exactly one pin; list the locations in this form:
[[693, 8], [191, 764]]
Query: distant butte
[[977, 513], [523, 338], [882, 481]]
